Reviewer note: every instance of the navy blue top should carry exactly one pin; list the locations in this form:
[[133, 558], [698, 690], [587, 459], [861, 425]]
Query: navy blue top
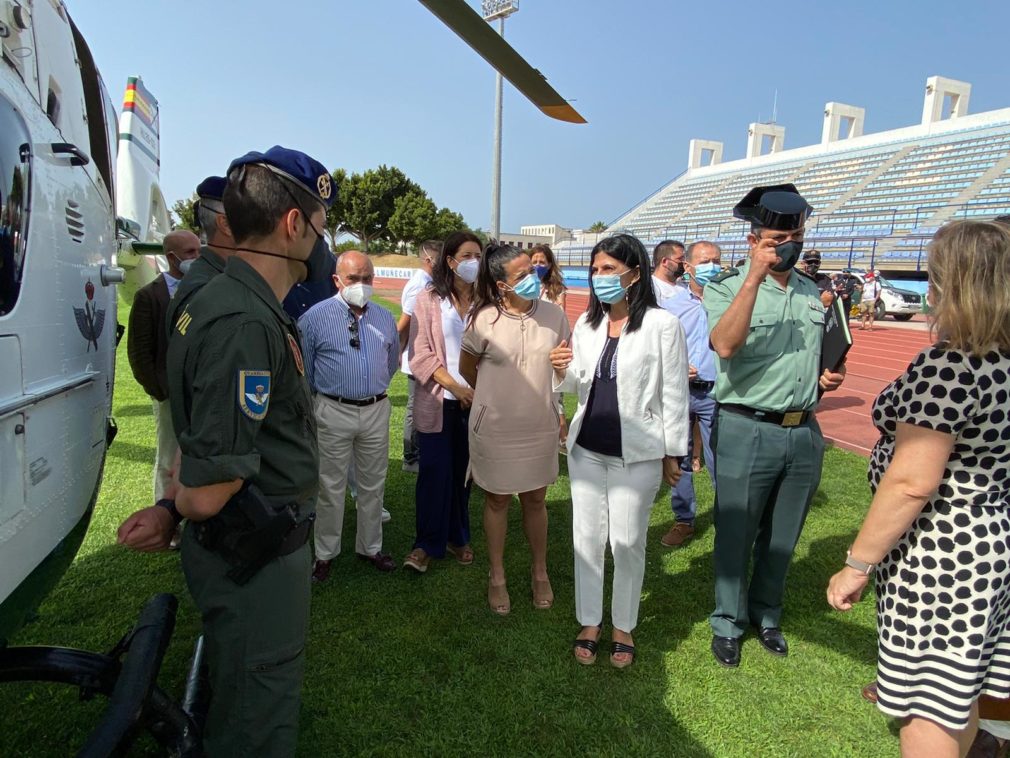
[[601, 427]]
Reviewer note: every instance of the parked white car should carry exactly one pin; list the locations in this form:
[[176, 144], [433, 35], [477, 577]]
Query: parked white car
[[894, 301]]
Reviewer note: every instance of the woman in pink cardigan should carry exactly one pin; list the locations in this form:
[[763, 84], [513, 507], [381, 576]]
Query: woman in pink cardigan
[[442, 405]]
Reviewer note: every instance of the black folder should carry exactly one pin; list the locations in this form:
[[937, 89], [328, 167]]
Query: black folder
[[837, 337]]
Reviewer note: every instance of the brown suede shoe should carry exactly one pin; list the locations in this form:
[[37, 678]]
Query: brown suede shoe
[[679, 533], [321, 571]]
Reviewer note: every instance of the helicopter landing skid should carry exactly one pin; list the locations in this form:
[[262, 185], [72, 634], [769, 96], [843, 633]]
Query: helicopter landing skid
[[135, 700]]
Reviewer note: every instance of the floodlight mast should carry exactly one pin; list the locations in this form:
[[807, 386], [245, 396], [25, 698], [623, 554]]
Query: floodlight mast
[[500, 10]]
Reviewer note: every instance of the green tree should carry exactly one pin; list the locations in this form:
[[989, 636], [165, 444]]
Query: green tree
[[184, 214], [414, 218], [446, 222], [369, 201], [598, 227]]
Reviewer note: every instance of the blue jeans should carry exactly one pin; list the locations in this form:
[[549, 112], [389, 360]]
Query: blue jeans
[[682, 499]]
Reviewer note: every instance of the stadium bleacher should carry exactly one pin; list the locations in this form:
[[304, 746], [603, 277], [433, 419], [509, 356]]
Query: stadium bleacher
[[877, 198]]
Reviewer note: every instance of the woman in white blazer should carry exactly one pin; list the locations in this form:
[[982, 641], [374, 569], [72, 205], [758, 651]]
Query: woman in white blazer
[[628, 365]]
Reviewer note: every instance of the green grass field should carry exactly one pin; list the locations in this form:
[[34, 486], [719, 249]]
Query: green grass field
[[418, 665]]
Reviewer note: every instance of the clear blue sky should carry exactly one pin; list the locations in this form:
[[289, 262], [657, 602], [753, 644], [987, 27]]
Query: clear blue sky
[[357, 83]]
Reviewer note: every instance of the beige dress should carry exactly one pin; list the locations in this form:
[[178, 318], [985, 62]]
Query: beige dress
[[514, 422]]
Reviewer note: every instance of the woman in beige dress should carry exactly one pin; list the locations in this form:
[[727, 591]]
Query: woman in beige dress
[[513, 421]]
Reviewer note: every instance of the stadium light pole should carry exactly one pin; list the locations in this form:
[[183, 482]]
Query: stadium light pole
[[500, 10]]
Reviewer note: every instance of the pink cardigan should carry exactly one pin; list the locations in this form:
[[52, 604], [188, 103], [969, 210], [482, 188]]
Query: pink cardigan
[[426, 354]]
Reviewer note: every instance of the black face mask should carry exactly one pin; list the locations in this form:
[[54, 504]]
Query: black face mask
[[679, 270], [812, 268], [319, 265], [789, 252]]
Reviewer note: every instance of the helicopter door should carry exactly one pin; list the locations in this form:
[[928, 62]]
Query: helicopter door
[[12, 432]]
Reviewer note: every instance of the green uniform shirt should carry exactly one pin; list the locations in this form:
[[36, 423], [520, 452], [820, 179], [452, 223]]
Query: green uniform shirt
[[204, 268], [241, 406], [778, 367]]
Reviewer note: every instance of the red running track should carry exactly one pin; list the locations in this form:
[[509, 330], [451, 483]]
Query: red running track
[[876, 358]]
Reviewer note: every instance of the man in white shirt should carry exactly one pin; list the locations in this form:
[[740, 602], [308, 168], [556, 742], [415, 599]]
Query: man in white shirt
[[868, 302], [418, 282], [667, 268]]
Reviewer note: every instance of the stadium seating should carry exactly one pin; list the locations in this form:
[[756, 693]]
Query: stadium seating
[[875, 197]]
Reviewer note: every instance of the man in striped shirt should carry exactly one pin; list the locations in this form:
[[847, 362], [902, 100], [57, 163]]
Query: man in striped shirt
[[351, 352]]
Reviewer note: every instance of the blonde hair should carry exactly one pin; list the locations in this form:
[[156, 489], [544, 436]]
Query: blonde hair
[[969, 279]]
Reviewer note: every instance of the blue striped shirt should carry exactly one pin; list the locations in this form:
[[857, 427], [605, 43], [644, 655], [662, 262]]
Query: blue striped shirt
[[335, 368], [686, 306]]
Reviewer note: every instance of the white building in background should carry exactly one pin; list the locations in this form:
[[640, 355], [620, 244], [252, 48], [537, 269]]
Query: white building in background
[[525, 241], [553, 231]]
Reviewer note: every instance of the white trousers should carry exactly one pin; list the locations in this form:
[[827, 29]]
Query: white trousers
[[167, 448], [610, 500], [348, 434]]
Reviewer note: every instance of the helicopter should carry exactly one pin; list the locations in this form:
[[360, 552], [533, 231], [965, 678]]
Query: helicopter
[[82, 214]]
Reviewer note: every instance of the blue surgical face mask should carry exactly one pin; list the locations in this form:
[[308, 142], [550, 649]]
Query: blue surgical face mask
[[705, 272], [528, 288], [542, 271], [608, 287]]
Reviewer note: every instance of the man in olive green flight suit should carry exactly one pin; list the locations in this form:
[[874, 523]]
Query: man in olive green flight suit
[[243, 413], [213, 223], [766, 324]]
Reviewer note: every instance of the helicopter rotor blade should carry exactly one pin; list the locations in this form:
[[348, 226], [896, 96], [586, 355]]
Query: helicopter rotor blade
[[479, 35]]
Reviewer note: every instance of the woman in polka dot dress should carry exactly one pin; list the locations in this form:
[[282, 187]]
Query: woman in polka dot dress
[[937, 534]]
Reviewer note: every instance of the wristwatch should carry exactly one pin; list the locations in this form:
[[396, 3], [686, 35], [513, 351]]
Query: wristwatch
[[861, 566], [169, 505]]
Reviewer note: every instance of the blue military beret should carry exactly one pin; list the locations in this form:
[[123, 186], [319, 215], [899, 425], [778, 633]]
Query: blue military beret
[[306, 172], [211, 188]]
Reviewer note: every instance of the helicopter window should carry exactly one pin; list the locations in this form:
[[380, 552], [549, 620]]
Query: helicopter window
[[15, 193], [53, 103]]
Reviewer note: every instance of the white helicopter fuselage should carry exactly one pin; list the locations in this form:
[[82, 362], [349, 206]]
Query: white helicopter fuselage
[[57, 298]]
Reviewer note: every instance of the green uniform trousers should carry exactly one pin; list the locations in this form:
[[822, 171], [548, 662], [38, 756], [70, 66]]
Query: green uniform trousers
[[766, 476], [255, 643]]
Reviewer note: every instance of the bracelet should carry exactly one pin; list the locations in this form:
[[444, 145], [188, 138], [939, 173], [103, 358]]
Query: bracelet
[[169, 505], [861, 566]]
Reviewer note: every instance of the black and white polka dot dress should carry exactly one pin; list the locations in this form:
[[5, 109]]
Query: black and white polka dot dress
[[943, 591]]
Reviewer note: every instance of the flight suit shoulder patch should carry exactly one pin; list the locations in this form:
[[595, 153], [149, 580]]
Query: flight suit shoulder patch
[[254, 393]]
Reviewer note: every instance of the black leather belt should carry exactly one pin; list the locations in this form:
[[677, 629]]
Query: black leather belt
[[701, 385], [357, 403], [787, 419]]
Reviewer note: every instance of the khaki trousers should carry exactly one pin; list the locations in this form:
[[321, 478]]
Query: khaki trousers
[[168, 447], [348, 434]]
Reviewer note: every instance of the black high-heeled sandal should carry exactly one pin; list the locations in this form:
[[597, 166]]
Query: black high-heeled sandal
[[591, 645], [620, 647]]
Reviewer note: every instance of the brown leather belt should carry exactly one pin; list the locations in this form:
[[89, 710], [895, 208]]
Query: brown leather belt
[[786, 419]]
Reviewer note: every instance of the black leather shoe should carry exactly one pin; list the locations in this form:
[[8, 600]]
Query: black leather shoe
[[773, 641], [726, 651]]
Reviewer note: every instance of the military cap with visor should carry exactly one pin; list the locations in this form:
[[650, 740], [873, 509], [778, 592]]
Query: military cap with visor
[[779, 207]]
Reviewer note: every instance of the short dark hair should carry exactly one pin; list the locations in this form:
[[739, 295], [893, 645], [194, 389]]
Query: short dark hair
[[690, 249], [663, 249], [256, 199], [442, 277], [631, 252], [431, 247]]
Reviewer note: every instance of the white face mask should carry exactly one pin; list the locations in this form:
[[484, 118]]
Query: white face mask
[[467, 270], [357, 295], [185, 266]]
